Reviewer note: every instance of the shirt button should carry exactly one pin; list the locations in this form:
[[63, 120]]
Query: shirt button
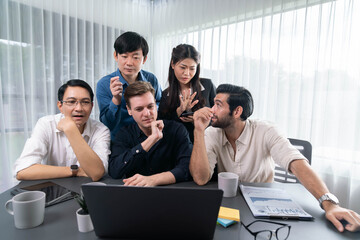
[[137, 151], [125, 162]]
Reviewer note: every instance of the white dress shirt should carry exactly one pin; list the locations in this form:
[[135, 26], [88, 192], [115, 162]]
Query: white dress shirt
[[47, 145], [258, 146]]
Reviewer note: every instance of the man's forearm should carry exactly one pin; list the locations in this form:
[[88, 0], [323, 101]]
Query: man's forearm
[[40, 171], [163, 178], [317, 187], [311, 181], [148, 143], [88, 159], [199, 163]]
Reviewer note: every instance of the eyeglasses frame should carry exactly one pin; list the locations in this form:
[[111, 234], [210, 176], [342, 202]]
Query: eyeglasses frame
[[76, 103], [272, 231]]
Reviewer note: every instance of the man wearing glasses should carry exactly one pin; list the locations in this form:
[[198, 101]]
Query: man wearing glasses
[[249, 148], [67, 144]]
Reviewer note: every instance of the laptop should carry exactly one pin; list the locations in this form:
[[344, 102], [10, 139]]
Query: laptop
[[152, 212]]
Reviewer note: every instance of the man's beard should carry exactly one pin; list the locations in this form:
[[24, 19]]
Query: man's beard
[[223, 123]]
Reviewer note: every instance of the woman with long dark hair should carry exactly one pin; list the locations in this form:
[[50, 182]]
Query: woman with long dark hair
[[187, 92]]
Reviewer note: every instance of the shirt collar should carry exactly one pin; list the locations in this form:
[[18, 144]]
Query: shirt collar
[[87, 129], [244, 137], [202, 87], [122, 79], [58, 117], [224, 139]]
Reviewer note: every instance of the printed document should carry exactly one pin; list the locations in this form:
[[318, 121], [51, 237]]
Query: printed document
[[272, 203]]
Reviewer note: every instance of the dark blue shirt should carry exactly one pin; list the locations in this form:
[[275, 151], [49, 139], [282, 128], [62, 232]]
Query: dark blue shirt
[[171, 153], [116, 116]]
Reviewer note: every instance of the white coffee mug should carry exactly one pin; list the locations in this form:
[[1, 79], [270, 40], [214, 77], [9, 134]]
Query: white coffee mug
[[28, 209], [228, 182]]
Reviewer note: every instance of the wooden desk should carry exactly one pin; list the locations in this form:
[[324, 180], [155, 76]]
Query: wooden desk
[[60, 219]]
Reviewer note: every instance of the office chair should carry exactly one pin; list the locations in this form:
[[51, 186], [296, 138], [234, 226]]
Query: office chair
[[305, 148]]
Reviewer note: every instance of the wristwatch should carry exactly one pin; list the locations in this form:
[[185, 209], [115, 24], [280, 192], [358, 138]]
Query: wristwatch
[[74, 169], [328, 197]]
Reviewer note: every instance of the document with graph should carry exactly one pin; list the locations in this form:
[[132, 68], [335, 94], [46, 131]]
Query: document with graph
[[272, 203]]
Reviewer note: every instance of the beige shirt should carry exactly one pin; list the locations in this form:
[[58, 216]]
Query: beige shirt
[[259, 145]]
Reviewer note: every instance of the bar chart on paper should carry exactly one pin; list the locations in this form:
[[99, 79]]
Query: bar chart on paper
[[272, 203]]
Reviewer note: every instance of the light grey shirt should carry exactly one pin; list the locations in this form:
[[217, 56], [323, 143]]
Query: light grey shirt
[[257, 148]]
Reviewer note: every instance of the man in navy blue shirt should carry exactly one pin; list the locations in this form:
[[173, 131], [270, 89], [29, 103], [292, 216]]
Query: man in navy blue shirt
[[130, 53], [149, 152]]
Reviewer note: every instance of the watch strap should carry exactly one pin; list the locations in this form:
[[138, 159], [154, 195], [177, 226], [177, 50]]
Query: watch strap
[[74, 170], [328, 197]]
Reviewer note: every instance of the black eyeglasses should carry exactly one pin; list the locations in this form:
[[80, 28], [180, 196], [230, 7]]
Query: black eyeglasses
[[73, 103], [281, 233]]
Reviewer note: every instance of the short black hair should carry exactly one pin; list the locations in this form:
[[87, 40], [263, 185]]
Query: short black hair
[[75, 83], [129, 42], [238, 96]]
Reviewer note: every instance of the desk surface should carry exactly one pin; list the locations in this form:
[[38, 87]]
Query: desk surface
[[60, 219]]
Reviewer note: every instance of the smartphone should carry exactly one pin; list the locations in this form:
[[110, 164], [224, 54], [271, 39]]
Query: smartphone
[[54, 192], [186, 114]]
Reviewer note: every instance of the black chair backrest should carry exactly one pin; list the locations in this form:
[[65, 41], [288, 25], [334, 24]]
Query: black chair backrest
[[305, 148]]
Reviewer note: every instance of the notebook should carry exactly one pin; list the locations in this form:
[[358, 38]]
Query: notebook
[[153, 212]]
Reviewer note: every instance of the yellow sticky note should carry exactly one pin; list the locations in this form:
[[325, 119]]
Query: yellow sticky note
[[229, 213]]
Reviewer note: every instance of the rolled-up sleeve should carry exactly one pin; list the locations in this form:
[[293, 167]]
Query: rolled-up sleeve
[[35, 149], [211, 143], [281, 149], [101, 145]]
